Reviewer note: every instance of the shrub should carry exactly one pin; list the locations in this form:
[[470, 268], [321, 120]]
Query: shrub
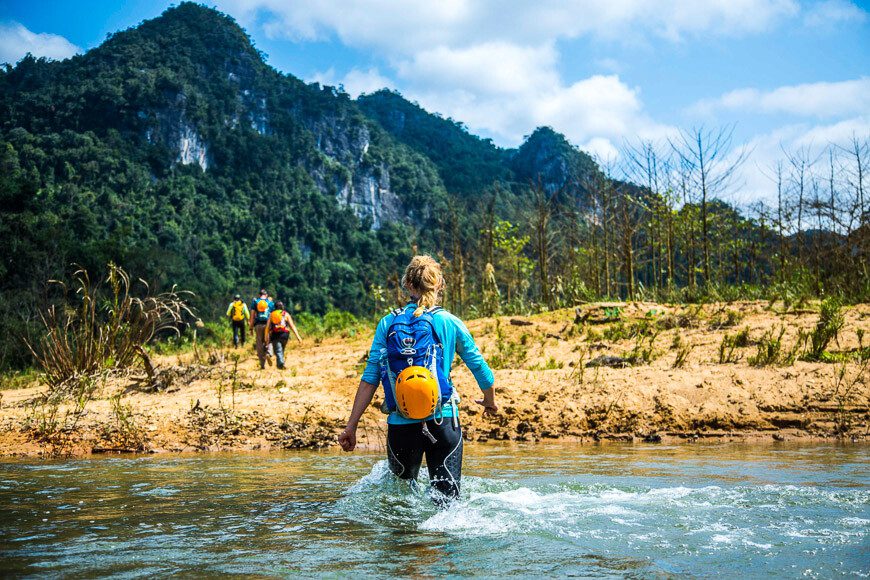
[[769, 348], [125, 432], [616, 331], [688, 318], [644, 351], [332, 323], [106, 330], [828, 328], [727, 348], [726, 319], [683, 351], [741, 339], [551, 364], [508, 355]]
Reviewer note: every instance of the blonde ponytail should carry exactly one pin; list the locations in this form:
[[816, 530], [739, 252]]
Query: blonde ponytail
[[424, 279]]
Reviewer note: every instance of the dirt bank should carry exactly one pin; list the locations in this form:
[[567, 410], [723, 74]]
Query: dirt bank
[[636, 388]]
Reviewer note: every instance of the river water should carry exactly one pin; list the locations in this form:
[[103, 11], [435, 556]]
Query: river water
[[731, 510]]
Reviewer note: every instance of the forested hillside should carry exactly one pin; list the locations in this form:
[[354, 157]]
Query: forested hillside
[[176, 152]]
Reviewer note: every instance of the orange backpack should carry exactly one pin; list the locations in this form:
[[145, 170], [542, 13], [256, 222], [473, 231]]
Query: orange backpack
[[277, 319]]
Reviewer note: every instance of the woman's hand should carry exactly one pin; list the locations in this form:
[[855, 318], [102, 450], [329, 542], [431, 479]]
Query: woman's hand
[[363, 398], [347, 439], [488, 402]]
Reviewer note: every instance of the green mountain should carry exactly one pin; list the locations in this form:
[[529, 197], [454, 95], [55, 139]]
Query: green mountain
[[547, 157], [466, 163], [173, 150]]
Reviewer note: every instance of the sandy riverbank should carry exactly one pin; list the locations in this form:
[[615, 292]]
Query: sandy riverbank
[[545, 388]]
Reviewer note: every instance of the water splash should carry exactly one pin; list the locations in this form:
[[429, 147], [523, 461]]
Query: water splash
[[522, 513]]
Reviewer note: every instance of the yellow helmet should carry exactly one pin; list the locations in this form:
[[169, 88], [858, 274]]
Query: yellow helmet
[[417, 392]]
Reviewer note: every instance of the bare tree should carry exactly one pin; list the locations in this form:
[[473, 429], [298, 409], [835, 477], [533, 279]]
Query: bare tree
[[542, 213], [801, 165], [712, 164], [647, 163]]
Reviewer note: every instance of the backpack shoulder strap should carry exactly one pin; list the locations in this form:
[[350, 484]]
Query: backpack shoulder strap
[[428, 316]]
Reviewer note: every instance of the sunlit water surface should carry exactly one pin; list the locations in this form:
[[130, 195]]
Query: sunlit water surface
[[541, 510]]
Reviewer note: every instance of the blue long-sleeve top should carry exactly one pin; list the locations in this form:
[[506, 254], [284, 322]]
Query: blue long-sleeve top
[[455, 338]]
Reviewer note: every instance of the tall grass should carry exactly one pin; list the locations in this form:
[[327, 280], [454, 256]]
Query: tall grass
[[105, 329], [827, 328]]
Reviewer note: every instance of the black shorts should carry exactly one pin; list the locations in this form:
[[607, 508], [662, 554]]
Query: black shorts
[[406, 445]]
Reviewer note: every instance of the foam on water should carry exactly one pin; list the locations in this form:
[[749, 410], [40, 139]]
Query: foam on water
[[521, 513], [745, 518]]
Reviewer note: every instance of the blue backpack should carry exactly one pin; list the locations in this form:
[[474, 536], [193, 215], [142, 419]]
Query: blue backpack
[[261, 316], [411, 341]]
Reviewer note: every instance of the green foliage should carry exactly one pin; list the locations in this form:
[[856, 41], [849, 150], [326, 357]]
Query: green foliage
[[687, 318], [640, 328], [124, 430], [508, 354], [334, 322], [844, 389], [466, 163], [91, 173], [644, 351], [514, 267], [683, 349], [88, 148], [726, 319], [549, 365], [616, 332], [827, 328], [769, 349], [106, 331], [727, 349]]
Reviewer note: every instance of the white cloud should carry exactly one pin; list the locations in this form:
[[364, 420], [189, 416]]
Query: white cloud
[[16, 41], [494, 64], [597, 112], [407, 26], [767, 149], [831, 12], [609, 65], [355, 82], [484, 69], [823, 100]]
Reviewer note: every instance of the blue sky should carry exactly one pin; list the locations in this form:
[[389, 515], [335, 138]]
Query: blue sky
[[788, 73]]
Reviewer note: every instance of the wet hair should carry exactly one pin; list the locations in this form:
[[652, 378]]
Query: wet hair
[[424, 280], [279, 306]]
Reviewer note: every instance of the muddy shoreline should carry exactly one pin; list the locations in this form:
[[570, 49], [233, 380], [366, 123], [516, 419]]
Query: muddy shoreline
[[550, 383]]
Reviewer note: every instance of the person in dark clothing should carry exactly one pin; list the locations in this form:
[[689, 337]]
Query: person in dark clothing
[[261, 307], [278, 332], [238, 314]]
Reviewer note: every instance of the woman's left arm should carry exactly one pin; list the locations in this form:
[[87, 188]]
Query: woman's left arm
[[470, 354], [292, 326]]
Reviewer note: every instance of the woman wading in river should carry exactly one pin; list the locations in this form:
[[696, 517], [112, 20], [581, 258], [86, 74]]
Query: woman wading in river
[[411, 355]]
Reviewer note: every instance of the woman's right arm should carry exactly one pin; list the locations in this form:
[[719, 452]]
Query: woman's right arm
[[367, 387], [364, 394]]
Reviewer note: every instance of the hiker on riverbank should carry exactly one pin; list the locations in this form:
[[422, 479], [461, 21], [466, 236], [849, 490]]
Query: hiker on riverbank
[[278, 332], [411, 355], [238, 314], [261, 307]]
